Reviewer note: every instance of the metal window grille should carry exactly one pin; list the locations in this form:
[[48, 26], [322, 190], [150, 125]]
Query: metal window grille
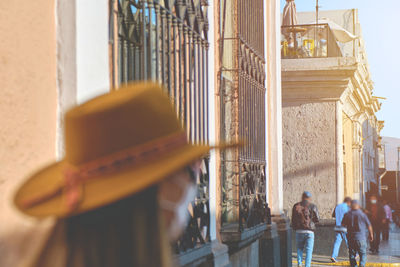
[[166, 41], [243, 114]]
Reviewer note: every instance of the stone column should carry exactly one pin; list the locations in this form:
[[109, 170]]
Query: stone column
[[274, 108], [278, 243], [339, 153], [219, 250]]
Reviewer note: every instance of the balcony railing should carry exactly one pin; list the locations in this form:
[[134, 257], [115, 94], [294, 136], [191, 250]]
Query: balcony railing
[[308, 41]]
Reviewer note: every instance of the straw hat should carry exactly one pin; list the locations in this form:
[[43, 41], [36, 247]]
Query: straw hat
[[115, 145]]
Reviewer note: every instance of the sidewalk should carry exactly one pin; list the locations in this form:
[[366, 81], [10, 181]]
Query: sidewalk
[[389, 255]]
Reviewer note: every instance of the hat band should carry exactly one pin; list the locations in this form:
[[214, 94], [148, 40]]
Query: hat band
[[75, 176]]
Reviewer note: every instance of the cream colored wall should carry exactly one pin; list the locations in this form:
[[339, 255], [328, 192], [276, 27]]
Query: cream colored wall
[[349, 189], [28, 106], [274, 107]]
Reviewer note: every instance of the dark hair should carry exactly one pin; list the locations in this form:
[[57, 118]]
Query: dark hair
[[126, 233], [347, 199]]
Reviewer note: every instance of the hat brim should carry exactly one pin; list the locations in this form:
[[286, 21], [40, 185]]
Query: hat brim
[[105, 189]]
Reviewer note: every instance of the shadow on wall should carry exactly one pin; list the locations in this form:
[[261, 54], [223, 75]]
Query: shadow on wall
[[309, 170]]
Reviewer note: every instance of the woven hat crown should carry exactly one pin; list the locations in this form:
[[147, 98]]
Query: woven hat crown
[[133, 115]]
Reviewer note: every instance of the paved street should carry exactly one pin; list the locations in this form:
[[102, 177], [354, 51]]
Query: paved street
[[389, 255]]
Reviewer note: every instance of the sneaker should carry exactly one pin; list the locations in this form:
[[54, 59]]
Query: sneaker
[[333, 260]]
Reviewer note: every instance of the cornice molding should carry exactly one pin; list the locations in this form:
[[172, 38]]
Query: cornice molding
[[318, 79], [329, 79]]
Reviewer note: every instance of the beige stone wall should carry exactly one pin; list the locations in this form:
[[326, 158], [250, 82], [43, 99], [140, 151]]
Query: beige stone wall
[[348, 168], [309, 154], [28, 106]]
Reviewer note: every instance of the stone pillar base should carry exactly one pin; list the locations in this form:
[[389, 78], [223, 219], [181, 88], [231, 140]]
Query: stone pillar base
[[221, 256], [285, 237], [270, 252], [213, 254]]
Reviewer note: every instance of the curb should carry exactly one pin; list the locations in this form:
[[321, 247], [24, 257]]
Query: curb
[[347, 263]]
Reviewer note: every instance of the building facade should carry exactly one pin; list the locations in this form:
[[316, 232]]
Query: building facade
[[330, 130], [219, 61], [390, 176]]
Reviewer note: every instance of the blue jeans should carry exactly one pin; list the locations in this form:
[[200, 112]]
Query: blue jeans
[[339, 237], [304, 243], [360, 247]]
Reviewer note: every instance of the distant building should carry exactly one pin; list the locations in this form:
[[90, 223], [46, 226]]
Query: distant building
[[389, 186], [330, 130]]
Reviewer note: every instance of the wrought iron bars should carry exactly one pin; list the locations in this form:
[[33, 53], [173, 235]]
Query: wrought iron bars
[[251, 87], [166, 41], [243, 113], [198, 230]]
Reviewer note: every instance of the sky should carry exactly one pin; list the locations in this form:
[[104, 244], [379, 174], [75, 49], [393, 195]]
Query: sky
[[381, 31]]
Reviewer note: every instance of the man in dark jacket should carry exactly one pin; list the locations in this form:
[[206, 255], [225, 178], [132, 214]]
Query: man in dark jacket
[[357, 225], [377, 216], [304, 217]]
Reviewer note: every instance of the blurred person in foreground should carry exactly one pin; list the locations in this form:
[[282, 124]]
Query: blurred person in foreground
[[377, 217], [340, 231], [122, 191], [388, 220], [357, 225], [304, 217]]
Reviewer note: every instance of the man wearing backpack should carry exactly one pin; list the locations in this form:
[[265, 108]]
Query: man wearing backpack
[[304, 217], [357, 225]]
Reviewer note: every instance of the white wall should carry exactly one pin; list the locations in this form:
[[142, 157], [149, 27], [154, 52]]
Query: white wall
[[274, 106], [92, 56], [82, 56], [211, 122], [66, 66]]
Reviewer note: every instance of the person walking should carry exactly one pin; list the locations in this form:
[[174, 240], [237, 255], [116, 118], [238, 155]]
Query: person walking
[[340, 231], [388, 220], [122, 192], [377, 217], [396, 213], [357, 225], [304, 217]]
